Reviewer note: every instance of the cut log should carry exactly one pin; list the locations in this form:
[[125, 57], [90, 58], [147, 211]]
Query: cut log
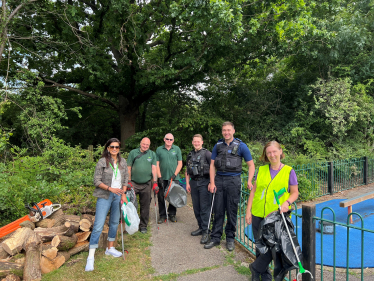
[[46, 223], [48, 265], [7, 268], [49, 251], [4, 254], [28, 224], [91, 218], [32, 270], [47, 234], [79, 247], [59, 218], [64, 243], [11, 277], [66, 255], [72, 218], [71, 229], [16, 242], [85, 225], [56, 214], [82, 236]]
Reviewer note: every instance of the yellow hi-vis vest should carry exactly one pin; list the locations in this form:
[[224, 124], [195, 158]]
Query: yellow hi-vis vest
[[264, 201]]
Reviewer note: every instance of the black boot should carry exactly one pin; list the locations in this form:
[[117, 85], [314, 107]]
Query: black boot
[[205, 238], [255, 275], [197, 232]]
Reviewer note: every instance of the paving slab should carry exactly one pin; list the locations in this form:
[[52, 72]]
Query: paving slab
[[223, 273], [174, 250]]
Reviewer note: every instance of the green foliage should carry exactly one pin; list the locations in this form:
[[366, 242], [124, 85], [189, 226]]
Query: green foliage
[[61, 173], [306, 191]]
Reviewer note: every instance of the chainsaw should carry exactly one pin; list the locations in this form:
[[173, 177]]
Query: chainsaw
[[37, 212]]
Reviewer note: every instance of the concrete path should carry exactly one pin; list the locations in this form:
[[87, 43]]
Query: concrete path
[[175, 251]]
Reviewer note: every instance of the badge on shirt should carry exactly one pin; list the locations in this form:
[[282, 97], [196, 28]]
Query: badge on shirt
[[174, 153], [149, 159]]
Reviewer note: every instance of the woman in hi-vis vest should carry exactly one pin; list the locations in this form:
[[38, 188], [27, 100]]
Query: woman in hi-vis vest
[[261, 202]]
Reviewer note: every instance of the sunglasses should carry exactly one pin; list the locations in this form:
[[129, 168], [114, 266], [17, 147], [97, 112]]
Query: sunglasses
[[169, 139], [113, 147]]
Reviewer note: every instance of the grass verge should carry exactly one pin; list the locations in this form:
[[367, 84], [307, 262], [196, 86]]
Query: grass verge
[[137, 265]]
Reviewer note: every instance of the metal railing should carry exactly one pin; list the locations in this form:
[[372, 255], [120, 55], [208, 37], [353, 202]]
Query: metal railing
[[322, 178]]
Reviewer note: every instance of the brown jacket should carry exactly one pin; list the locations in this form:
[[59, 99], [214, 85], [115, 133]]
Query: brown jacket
[[104, 174]]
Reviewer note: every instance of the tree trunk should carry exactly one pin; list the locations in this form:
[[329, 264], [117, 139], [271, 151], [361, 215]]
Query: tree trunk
[[32, 270], [19, 240], [8, 267], [79, 247], [11, 277], [64, 243], [85, 225], [48, 265], [72, 228], [127, 118], [47, 234], [28, 224], [82, 236], [46, 223], [49, 251], [3, 254]]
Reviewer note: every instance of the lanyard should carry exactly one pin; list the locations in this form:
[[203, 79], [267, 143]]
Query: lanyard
[[115, 171]]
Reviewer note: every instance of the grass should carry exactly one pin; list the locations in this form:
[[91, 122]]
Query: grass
[[137, 265]]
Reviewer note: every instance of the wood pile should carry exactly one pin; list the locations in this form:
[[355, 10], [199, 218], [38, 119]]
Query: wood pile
[[47, 245]]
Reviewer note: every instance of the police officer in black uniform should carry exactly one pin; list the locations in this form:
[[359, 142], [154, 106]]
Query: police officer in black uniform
[[227, 157], [198, 165]]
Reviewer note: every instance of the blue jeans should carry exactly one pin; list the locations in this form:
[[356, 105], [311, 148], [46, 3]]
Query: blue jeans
[[102, 208]]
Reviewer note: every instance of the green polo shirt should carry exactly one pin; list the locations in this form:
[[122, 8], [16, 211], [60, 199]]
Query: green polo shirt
[[141, 171], [168, 160]]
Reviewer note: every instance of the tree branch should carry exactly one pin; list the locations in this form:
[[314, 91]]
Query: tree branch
[[156, 43], [82, 93]]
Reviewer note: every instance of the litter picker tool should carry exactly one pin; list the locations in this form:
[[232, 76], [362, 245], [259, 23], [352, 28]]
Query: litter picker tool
[[211, 208], [301, 268], [123, 247], [156, 211]]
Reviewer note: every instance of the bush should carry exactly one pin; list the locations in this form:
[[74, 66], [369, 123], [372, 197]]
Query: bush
[[62, 174]]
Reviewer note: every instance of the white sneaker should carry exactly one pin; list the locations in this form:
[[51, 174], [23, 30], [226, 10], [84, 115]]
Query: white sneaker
[[90, 264], [113, 252]]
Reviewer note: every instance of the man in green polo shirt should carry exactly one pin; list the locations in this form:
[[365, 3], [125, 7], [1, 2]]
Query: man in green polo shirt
[[169, 164], [142, 168]]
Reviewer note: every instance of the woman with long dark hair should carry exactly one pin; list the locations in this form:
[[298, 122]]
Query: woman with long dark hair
[[110, 179]]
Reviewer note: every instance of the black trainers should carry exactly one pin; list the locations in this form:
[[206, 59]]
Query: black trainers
[[161, 220], [173, 218]]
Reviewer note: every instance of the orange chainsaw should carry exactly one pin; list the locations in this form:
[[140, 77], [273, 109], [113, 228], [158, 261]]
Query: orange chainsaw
[[38, 211]]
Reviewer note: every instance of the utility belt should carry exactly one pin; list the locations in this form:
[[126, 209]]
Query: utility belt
[[199, 178]]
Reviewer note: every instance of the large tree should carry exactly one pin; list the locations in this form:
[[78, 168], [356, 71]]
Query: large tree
[[119, 53]]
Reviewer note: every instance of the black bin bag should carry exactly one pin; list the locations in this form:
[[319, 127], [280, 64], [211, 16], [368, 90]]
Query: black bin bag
[[273, 237]]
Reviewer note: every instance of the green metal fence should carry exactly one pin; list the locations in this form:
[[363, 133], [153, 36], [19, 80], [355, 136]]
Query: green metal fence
[[321, 179], [370, 170]]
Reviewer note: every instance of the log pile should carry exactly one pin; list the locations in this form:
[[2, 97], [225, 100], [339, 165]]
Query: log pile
[[47, 245]]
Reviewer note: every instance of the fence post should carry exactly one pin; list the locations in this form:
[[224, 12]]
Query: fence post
[[330, 177], [309, 240], [366, 170]]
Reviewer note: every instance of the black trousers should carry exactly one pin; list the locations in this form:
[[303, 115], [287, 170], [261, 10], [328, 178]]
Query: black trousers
[[172, 211], [226, 201], [261, 264], [201, 201], [145, 191]]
